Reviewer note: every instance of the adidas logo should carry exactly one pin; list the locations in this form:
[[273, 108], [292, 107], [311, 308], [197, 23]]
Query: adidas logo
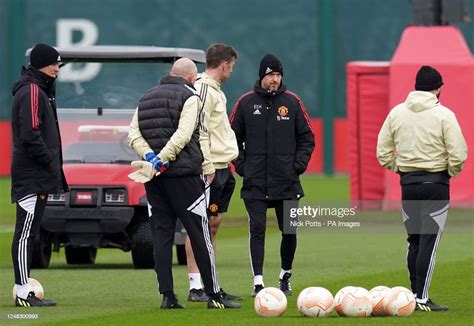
[[218, 304], [22, 303], [268, 71], [423, 307], [257, 111]]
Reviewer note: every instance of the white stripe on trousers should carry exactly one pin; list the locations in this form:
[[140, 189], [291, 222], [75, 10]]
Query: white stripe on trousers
[[29, 205], [199, 207], [210, 249], [429, 273], [22, 253]]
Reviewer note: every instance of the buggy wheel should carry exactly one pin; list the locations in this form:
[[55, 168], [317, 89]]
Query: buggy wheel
[[41, 250], [142, 245]]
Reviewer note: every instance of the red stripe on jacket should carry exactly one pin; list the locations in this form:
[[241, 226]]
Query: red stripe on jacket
[[234, 109], [302, 107], [34, 106]]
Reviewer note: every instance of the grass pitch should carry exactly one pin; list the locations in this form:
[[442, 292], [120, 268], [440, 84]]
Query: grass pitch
[[112, 292]]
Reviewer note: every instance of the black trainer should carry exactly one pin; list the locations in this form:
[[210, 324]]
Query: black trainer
[[429, 306], [256, 288], [228, 296], [216, 301], [197, 295], [285, 285], [33, 301], [171, 302]]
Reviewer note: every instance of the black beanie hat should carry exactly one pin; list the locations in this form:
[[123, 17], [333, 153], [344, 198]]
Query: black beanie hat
[[269, 64], [43, 55], [428, 79]]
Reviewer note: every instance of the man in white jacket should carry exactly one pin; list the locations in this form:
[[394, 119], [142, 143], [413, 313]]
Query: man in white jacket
[[421, 140], [219, 147]]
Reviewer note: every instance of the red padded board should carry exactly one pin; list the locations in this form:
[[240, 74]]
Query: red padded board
[[367, 107], [5, 148]]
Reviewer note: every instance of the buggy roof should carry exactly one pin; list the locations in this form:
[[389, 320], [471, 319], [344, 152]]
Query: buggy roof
[[127, 53]]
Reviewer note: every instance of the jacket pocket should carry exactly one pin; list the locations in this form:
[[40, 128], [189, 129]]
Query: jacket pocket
[[283, 168], [299, 168], [255, 166]]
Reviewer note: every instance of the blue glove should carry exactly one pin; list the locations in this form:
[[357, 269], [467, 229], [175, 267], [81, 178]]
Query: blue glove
[[149, 156], [158, 165]]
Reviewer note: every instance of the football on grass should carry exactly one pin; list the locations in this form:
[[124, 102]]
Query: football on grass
[[270, 302], [315, 302], [399, 301], [36, 287]]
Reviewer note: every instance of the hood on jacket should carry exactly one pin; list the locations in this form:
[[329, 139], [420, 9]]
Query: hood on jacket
[[267, 93], [206, 79], [32, 75], [418, 101]]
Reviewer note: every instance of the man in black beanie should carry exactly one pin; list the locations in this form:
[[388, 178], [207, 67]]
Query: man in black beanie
[[275, 140], [36, 168], [421, 141]]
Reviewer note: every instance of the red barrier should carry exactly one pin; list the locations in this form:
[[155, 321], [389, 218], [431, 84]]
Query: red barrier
[[341, 149], [367, 106], [316, 163], [5, 148]]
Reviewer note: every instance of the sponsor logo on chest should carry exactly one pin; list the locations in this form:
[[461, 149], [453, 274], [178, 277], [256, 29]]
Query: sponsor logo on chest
[[257, 108]]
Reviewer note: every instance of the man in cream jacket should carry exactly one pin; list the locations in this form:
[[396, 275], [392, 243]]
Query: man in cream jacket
[[219, 147], [421, 141]]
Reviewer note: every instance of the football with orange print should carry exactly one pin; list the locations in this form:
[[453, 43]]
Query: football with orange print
[[270, 302], [36, 287], [399, 301], [315, 302], [376, 296], [356, 303]]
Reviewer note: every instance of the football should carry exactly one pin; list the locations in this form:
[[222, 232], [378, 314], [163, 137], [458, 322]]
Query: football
[[270, 302], [399, 301], [339, 296], [356, 303], [36, 287], [376, 296], [315, 302]]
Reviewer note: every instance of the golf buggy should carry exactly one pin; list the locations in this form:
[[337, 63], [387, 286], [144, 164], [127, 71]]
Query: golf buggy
[[103, 208]]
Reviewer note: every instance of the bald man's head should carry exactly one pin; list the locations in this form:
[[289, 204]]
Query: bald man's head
[[184, 68]]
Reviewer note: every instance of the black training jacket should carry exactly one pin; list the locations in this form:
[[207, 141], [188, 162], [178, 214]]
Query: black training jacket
[[37, 158], [275, 141]]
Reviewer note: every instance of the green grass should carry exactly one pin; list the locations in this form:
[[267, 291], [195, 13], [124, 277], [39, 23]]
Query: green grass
[[7, 209], [112, 292]]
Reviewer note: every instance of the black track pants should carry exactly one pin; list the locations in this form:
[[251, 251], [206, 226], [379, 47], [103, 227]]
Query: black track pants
[[182, 197], [425, 211], [257, 211]]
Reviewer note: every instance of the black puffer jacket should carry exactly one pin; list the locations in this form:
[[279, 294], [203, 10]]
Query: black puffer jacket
[[275, 143], [159, 111], [37, 158]]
